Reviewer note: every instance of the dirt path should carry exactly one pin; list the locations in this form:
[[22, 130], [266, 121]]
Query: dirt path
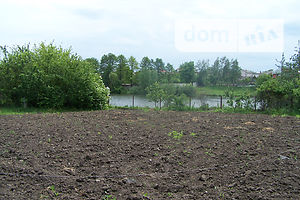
[[123, 154]]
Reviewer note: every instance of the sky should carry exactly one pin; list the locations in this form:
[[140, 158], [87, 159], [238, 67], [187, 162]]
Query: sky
[[141, 28]]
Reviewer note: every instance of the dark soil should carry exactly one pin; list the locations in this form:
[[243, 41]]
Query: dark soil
[[129, 154]]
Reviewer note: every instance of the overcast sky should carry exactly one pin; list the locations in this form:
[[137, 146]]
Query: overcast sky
[[139, 27]]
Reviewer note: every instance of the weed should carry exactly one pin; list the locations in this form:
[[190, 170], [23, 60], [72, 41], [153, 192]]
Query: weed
[[209, 152], [99, 133], [52, 188], [155, 154], [12, 132], [170, 194], [146, 195], [110, 137], [187, 152], [193, 134], [176, 135], [222, 195], [109, 197], [44, 196]]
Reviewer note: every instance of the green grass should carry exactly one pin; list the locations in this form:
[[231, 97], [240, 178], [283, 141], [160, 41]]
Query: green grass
[[274, 112], [220, 90], [22, 111]]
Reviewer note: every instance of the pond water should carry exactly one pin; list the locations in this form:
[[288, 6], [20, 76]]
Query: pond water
[[142, 101]]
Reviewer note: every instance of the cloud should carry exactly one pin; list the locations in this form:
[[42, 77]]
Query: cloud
[[132, 25]]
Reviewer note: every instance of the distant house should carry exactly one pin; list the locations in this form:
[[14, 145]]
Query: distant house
[[249, 74], [272, 73]]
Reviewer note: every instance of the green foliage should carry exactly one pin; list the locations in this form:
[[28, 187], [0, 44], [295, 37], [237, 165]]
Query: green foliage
[[94, 62], [262, 78], [109, 197], [178, 102], [52, 188], [242, 101], [193, 134], [281, 92], [188, 90], [146, 78], [230, 95], [222, 72], [123, 70], [276, 93], [187, 72], [202, 75], [115, 83], [50, 77], [174, 98], [108, 64], [155, 93], [176, 135]]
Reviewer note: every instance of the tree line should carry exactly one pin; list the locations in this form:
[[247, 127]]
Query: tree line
[[118, 71]]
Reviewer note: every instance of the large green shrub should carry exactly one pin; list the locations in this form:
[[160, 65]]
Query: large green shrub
[[51, 77], [282, 91]]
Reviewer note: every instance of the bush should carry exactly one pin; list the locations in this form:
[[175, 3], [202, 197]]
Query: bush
[[50, 77]]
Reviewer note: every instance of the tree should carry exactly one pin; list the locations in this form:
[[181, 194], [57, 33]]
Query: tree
[[202, 67], [235, 72], [170, 74], [95, 63], [134, 67], [108, 64], [282, 91], [226, 70], [133, 64], [261, 79], [159, 66], [123, 70], [146, 64], [214, 75], [155, 93], [146, 78], [187, 72]]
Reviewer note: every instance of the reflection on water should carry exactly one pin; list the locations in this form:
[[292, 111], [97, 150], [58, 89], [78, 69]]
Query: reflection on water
[[142, 101]]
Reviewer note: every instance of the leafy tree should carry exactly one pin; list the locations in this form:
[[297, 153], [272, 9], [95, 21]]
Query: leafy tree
[[189, 91], [187, 72], [215, 72], [94, 62], [226, 71], [155, 93], [235, 72], [146, 78], [261, 79], [282, 91], [202, 67], [115, 83], [133, 64], [146, 64], [50, 76], [134, 67], [123, 70], [108, 64], [159, 66], [169, 76]]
